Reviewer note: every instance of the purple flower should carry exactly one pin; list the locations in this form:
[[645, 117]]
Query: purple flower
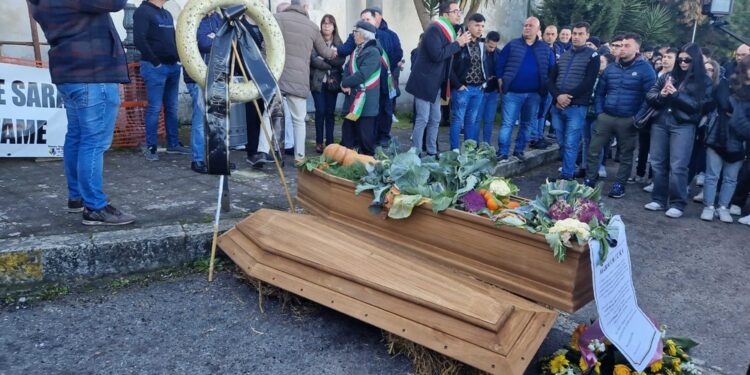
[[587, 209], [473, 201], [560, 210]]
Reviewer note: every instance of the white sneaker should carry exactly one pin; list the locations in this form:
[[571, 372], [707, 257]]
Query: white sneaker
[[602, 172], [653, 206], [724, 215], [559, 169], [649, 188], [708, 213], [673, 213], [698, 198], [744, 220], [735, 210], [700, 179]]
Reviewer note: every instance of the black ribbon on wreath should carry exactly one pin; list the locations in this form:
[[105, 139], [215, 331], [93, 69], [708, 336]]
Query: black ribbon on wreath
[[231, 35]]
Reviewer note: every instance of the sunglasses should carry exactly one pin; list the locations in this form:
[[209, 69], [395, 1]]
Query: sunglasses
[[684, 60]]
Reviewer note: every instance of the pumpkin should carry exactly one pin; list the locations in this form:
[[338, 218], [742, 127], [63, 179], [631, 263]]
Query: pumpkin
[[330, 150], [340, 154], [350, 158]]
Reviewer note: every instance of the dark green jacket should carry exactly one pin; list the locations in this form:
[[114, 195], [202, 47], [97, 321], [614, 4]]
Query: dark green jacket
[[368, 62]]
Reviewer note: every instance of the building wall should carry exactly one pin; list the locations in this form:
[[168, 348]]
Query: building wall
[[505, 16]]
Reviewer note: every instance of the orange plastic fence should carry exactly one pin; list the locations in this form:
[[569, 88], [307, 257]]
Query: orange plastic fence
[[130, 129]]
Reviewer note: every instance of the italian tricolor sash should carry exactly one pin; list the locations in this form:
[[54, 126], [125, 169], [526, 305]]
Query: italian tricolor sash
[[386, 62], [355, 111], [446, 27]]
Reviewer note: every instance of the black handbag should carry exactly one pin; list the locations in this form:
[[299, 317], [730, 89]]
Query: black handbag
[[645, 118], [333, 83]]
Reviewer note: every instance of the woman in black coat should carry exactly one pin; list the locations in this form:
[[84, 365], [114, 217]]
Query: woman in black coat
[[679, 97]]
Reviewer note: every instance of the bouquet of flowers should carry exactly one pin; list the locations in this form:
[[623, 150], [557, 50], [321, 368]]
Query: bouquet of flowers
[[589, 352]]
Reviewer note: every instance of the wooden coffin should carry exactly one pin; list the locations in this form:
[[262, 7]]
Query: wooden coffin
[[510, 258], [381, 282]]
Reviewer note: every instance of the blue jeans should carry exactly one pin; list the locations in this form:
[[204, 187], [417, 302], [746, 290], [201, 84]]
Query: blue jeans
[[715, 167], [487, 113], [671, 147], [162, 85], [568, 124], [325, 109], [525, 105], [197, 132], [464, 109], [91, 109], [536, 133]]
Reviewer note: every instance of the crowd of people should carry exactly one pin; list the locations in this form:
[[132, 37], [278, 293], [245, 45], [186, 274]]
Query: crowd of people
[[673, 112]]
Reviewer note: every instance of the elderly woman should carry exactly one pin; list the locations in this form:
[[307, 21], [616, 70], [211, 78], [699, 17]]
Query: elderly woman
[[361, 84]]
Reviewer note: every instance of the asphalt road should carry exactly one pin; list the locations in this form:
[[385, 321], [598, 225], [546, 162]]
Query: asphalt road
[[689, 275]]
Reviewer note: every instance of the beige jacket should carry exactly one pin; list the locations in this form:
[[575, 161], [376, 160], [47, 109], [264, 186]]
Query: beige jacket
[[301, 35]]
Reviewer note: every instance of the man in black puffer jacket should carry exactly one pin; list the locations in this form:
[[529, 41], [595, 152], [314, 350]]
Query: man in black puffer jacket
[[620, 94]]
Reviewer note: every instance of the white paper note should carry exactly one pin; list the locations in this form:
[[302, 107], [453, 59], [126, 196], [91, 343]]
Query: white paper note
[[622, 321]]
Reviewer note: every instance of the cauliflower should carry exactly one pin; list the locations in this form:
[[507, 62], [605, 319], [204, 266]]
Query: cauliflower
[[560, 210], [500, 188], [569, 227], [587, 209]]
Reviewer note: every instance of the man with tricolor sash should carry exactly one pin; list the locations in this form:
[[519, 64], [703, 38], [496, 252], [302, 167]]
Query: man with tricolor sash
[[430, 73], [361, 85]]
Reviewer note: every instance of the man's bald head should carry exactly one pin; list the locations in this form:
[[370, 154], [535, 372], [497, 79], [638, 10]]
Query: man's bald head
[[741, 52], [531, 28], [282, 7], [550, 34]]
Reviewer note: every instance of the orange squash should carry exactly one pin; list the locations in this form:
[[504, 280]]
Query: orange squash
[[513, 205], [349, 158], [330, 150], [366, 159], [340, 154]]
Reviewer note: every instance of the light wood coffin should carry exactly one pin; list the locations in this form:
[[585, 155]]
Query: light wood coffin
[[510, 258], [384, 283]]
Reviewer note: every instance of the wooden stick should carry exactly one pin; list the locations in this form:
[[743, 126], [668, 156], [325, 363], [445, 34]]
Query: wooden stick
[[276, 160], [216, 231]]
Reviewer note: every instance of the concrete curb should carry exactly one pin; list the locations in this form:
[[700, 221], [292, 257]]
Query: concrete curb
[[534, 158], [36, 260]]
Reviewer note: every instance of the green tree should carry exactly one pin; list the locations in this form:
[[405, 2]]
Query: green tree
[[428, 9]]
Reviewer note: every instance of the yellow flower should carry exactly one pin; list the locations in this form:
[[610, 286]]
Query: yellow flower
[[671, 348], [558, 364], [598, 368], [685, 356], [657, 366], [677, 365], [582, 364], [576, 336], [621, 370]]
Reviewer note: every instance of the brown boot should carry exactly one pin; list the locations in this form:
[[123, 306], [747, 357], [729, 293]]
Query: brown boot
[[319, 148]]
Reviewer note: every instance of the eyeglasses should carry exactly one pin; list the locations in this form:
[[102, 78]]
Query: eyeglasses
[[685, 60], [454, 11]]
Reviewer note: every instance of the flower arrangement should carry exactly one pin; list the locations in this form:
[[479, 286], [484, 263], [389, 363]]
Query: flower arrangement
[[565, 212], [589, 352]]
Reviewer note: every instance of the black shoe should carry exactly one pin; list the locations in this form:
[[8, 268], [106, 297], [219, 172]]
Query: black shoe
[[75, 205], [289, 151], [580, 173], [108, 215], [501, 158], [519, 156], [589, 183], [539, 145], [199, 167], [258, 159]]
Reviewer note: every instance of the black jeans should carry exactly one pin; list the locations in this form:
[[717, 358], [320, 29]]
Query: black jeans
[[743, 185], [253, 126], [361, 132], [384, 120], [325, 110], [644, 144]]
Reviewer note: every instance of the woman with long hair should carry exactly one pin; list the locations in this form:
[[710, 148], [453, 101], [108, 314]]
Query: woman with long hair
[[726, 148], [325, 79], [679, 97], [698, 159]]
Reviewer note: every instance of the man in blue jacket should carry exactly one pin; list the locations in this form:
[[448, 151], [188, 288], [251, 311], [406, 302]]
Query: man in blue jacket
[[571, 85], [620, 94], [430, 71], [522, 69], [87, 63]]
